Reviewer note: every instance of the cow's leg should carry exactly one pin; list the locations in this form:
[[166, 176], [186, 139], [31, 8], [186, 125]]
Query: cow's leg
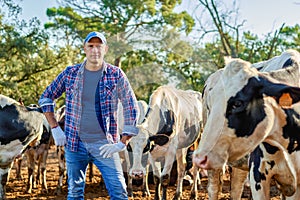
[[196, 178], [146, 191], [237, 181], [42, 171], [18, 165], [215, 182], [30, 168], [260, 189], [156, 166], [165, 175], [4, 174], [181, 165], [62, 169], [126, 168]]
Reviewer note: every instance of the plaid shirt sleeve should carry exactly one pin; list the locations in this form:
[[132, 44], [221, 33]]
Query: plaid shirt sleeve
[[53, 91]]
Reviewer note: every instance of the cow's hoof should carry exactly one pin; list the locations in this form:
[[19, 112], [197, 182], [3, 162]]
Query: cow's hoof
[[45, 191], [194, 196], [177, 196], [29, 191], [146, 194], [57, 191], [130, 194]]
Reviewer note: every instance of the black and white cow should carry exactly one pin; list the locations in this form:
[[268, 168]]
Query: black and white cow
[[172, 124], [239, 171], [127, 157], [36, 154], [19, 128], [251, 113]]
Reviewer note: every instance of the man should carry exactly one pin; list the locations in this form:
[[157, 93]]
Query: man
[[93, 89]]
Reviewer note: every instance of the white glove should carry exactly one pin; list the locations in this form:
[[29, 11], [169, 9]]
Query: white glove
[[108, 150], [58, 136]]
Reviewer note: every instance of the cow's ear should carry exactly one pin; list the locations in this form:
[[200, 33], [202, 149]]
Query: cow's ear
[[159, 139], [284, 94]]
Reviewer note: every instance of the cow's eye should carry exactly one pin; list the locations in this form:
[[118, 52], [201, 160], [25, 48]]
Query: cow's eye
[[237, 104]]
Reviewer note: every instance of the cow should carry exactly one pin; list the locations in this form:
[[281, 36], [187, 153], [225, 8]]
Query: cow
[[171, 125], [277, 62], [127, 154], [38, 154], [252, 116], [19, 128], [238, 173]]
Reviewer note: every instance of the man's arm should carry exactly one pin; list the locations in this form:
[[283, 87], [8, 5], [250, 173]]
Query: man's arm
[[51, 119]]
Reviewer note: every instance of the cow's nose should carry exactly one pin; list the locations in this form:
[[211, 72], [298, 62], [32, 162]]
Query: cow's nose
[[137, 174], [201, 161]]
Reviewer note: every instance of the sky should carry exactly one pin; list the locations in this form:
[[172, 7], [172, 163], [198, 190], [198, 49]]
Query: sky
[[262, 16]]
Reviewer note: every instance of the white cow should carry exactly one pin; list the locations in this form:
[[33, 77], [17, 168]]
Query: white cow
[[249, 114], [172, 124], [277, 62]]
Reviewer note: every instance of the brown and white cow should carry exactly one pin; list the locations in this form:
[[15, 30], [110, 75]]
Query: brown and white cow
[[249, 115], [37, 155], [172, 124], [19, 128]]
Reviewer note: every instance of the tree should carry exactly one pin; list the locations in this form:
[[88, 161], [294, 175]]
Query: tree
[[27, 61], [119, 19], [230, 38]]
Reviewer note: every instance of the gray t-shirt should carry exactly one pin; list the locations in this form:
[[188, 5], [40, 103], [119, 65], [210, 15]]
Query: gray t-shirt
[[90, 129]]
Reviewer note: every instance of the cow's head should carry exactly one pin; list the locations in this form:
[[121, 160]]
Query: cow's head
[[242, 105], [154, 133]]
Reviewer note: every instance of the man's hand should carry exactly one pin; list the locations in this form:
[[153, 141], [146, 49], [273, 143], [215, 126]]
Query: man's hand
[[58, 136], [108, 150]]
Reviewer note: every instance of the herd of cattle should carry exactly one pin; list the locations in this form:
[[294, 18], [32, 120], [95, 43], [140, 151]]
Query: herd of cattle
[[247, 117]]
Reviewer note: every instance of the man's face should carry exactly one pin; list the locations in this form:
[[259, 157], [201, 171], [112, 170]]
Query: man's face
[[95, 50]]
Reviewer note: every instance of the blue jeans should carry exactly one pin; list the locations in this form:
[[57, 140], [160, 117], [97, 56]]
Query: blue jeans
[[110, 169]]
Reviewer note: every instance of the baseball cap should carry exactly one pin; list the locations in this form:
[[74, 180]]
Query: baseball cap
[[95, 34]]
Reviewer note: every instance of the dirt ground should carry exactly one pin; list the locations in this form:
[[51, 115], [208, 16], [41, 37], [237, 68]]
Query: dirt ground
[[16, 189]]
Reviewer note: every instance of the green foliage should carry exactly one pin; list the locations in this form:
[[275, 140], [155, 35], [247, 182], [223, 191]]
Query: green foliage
[[146, 38], [28, 64]]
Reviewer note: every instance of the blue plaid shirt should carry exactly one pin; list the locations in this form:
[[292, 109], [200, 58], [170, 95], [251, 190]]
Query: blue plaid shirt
[[112, 87]]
